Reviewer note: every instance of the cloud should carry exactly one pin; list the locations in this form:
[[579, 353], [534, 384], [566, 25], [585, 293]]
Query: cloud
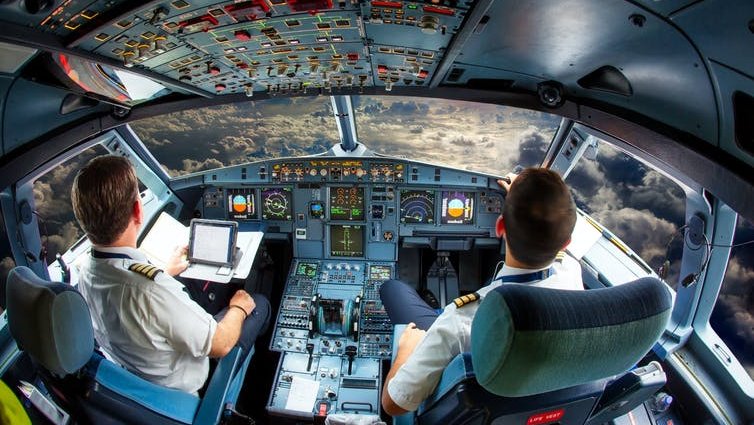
[[733, 316]]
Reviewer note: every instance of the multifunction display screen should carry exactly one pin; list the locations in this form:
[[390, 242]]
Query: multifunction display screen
[[306, 269], [276, 203], [346, 241], [347, 203], [457, 208]]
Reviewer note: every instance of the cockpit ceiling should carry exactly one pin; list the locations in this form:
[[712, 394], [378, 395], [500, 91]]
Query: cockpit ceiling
[[264, 45], [679, 63]]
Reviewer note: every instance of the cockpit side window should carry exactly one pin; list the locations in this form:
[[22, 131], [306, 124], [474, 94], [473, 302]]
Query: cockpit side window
[[638, 204], [58, 227], [733, 315]]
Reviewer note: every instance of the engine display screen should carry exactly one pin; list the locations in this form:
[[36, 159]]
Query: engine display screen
[[241, 204], [457, 208], [417, 206], [346, 241], [276, 203], [347, 203]]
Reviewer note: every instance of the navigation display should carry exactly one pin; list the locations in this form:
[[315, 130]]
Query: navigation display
[[457, 208], [347, 203], [346, 241], [241, 204], [276, 203], [417, 206]]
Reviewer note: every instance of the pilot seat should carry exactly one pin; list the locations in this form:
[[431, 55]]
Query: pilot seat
[[50, 321], [548, 356]]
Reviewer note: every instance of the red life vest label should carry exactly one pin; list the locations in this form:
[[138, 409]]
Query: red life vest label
[[546, 417]]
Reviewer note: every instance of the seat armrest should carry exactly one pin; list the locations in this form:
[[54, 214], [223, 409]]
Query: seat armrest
[[223, 387], [458, 370]]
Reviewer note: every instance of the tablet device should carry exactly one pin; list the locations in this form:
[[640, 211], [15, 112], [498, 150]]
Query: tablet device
[[212, 242]]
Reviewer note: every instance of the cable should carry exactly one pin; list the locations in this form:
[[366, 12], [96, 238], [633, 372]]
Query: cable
[[734, 245], [693, 277]]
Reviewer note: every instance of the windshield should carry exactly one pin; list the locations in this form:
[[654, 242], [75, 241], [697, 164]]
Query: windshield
[[217, 136], [465, 135]]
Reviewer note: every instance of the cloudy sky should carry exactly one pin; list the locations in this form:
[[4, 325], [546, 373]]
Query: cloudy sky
[[639, 205]]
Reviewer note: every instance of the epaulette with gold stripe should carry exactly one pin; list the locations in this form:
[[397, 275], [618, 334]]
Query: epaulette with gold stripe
[[560, 256], [147, 270], [465, 299]]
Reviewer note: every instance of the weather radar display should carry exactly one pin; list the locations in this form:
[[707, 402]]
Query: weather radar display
[[346, 241], [417, 206], [457, 208], [241, 204], [276, 203]]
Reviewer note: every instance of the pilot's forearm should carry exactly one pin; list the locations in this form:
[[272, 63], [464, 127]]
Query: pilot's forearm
[[227, 333], [400, 358]]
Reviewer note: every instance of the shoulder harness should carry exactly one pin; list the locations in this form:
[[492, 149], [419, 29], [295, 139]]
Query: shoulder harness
[[466, 299], [147, 270]]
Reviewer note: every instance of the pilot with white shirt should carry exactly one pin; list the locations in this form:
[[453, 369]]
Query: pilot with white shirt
[[143, 318], [537, 221]]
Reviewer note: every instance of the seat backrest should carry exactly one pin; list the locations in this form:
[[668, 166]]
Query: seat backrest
[[50, 321], [528, 340]]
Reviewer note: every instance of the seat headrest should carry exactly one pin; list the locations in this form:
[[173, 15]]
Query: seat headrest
[[529, 340], [50, 321]]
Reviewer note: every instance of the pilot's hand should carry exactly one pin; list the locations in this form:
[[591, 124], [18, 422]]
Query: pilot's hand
[[242, 299], [410, 338], [177, 262], [507, 181]]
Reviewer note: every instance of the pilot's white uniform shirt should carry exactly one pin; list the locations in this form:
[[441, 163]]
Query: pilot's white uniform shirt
[[151, 327], [450, 335]]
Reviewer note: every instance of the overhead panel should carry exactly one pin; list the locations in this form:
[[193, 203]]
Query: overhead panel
[[408, 39], [275, 46]]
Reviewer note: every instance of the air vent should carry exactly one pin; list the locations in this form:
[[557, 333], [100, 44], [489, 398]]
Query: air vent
[[743, 111], [609, 79]]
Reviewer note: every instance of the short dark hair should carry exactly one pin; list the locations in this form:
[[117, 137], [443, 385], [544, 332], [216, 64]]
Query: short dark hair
[[103, 195], [539, 216]]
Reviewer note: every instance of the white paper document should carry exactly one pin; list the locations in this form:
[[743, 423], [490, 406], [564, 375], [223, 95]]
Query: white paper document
[[164, 236], [584, 236], [302, 395]]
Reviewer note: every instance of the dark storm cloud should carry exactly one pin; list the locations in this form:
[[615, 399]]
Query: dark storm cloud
[[531, 149], [733, 316], [408, 108]]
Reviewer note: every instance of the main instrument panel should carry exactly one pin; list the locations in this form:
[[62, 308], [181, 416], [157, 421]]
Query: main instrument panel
[[346, 218]]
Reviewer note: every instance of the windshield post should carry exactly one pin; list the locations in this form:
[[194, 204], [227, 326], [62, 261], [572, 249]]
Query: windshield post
[[343, 111]]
